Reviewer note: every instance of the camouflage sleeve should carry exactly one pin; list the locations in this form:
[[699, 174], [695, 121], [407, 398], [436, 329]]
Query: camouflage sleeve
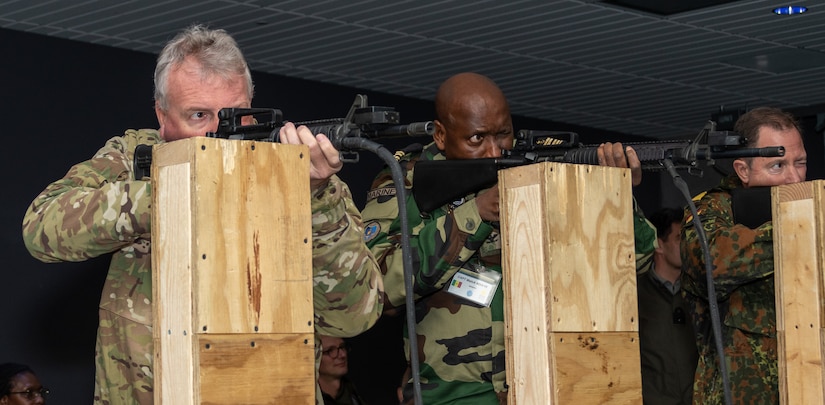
[[95, 209], [441, 242], [348, 288], [740, 254]]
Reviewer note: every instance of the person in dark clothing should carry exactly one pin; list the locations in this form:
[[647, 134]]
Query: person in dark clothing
[[332, 373], [667, 342]]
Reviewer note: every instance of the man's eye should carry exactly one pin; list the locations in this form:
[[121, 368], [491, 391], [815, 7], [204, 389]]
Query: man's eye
[[198, 115], [776, 167], [476, 138]]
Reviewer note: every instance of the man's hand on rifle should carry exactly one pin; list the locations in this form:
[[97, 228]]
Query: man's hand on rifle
[[324, 160], [614, 155], [487, 204]]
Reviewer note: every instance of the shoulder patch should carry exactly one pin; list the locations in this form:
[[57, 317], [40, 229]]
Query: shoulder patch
[[371, 230], [380, 192]]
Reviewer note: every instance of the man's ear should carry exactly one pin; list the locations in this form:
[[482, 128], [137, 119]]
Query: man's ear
[[161, 115], [439, 135], [743, 170], [659, 246]]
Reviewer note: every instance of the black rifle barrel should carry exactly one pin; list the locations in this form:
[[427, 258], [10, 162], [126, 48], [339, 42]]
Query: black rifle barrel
[[337, 132], [425, 128], [653, 153], [770, 151]]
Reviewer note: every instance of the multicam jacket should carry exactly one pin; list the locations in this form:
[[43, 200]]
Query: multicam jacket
[[460, 343], [743, 278], [97, 208]]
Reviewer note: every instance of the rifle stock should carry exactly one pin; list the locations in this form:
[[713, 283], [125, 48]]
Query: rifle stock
[[439, 182]]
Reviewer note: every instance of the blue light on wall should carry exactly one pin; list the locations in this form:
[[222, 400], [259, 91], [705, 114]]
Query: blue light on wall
[[788, 10]]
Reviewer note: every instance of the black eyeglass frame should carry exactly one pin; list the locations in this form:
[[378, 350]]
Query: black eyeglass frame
[[30, 394], [337, 350]]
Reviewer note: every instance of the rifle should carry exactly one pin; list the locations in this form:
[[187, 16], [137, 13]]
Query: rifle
[[346, 134], [438, 182], [362, 121]]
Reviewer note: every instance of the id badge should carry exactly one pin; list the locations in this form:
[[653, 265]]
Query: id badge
[[477, 286]]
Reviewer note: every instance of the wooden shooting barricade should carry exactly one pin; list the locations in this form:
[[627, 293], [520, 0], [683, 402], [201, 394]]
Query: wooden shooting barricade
[[799, 262], [571, 330], [232, 273]]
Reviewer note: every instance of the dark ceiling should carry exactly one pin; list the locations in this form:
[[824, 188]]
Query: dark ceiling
[[600, 64]]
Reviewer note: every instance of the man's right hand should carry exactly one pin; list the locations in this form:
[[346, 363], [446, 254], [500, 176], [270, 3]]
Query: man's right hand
[[487, 203], [324, 160]]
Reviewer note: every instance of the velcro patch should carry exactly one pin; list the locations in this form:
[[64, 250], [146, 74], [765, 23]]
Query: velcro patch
[[380, 192], [371, 230]]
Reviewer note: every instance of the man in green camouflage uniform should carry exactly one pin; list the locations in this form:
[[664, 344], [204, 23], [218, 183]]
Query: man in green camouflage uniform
[[742, 268], [98, 208], [461, 343]]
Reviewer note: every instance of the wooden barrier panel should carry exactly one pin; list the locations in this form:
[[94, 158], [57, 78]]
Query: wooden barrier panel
[[232, 273], [571, 330], [799, 254]]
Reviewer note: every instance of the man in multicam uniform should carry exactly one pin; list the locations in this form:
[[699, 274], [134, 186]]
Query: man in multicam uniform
[[98, 208], [743, 268], [461, 343]]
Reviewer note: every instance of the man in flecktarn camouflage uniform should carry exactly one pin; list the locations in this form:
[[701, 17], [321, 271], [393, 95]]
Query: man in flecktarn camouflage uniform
[[461, 342], [741, 247], [99, 208]]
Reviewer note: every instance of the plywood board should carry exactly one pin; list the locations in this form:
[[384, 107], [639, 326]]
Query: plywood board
[[569, 266], [256, 369], [798, 211], [232, 273]]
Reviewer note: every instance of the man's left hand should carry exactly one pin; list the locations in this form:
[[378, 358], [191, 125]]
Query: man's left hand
[[324, 160], [614, 155]]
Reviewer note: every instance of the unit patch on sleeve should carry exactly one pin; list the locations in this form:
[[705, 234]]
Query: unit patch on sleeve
[[371, 230]]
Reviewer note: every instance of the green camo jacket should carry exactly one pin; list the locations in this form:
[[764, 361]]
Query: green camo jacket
[[97, 208], [461, 344], [743, 278]]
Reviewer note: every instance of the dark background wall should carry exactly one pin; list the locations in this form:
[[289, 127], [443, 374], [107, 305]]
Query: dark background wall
[[61, 100]]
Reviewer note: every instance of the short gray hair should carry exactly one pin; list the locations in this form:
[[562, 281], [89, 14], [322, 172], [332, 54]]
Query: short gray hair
[[215, 50]]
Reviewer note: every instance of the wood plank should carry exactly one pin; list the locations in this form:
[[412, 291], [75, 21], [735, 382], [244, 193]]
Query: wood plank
[[592, 256], [172, 333], [569, 267], [798, 260], [252, 207], [596, 368], [231, 231], [526, 325], [257, 369]]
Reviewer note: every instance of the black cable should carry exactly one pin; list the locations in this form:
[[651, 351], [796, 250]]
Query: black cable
[[406, 249], [716, 324]]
